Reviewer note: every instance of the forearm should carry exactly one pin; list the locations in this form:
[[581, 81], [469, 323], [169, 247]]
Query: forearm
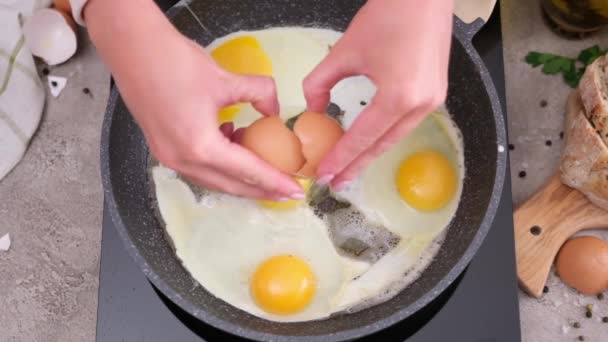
[[127, 32]]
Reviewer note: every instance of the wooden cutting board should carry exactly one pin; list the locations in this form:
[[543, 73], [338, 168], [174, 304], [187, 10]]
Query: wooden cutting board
[[543, 223]]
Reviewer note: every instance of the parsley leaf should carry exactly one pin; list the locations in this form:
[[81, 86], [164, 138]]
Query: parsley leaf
[[589, 55], [568, 67], [536, 58], [573, 77], [558, 64]]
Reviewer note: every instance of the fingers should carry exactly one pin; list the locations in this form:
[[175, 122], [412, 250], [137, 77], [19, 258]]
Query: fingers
[[212, 179], [261, 91], [318, 84], [227, 129], [365, 131], [390, 138], [237, 135], [241, 164]]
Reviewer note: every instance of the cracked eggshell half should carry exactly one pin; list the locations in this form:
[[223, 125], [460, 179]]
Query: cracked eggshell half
[[270, 139], [296, 152], [318, 134], [51, 35]]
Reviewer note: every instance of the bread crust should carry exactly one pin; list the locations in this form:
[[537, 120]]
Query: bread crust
[[584, 159], [593, 88]]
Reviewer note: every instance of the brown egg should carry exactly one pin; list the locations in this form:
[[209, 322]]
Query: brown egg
[[318, 134], [272, 141], [62, 5], [582, 263]]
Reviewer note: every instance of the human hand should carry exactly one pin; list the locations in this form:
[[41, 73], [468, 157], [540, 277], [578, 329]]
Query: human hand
[[403, 47], [174, 90]]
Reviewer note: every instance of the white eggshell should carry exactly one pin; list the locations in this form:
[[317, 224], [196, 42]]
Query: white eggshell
[[5, 242], [56, 84], [50, 36]]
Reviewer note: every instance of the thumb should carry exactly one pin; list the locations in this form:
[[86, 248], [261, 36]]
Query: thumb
[[261, 91], [318, 84]]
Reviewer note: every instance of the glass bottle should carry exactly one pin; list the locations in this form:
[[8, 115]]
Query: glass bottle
[[577, 16]]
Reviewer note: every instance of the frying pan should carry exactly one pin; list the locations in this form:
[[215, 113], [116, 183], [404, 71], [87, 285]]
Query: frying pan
[[472, 100]]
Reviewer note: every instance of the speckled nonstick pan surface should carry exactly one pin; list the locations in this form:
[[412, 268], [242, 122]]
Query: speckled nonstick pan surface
[[471, 99]]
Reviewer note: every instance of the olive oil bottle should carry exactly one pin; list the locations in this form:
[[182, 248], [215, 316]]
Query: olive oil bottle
[[577, 16]]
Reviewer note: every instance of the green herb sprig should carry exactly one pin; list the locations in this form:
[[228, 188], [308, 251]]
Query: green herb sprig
[[572, 69]]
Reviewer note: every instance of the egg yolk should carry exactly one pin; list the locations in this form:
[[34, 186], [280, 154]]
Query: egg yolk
[[227, 114], [426, 180], [305, 183], [242, 55], [283, 285]]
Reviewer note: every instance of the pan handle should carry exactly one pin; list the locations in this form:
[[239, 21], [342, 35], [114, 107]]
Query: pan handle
[[471, 15], [467, 31]]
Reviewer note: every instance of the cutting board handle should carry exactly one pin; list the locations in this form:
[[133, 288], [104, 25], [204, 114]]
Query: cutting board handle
[[543, 223]]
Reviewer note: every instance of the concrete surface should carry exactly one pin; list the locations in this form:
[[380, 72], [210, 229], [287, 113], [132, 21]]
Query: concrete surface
[[51, 205], [531, 127]]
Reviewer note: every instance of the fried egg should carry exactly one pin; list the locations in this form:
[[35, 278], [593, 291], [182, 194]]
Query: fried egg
[[276, 264], [286, 54], [379, 190], [413, 190], [278, 260]]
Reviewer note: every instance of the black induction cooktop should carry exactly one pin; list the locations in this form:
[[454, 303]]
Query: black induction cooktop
[[480, 306]]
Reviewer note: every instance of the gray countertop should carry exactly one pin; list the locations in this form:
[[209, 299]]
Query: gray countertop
[[52, 206], [52, 202], [531, 126]]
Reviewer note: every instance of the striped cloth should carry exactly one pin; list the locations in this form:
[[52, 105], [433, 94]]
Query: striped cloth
[[21, 91]]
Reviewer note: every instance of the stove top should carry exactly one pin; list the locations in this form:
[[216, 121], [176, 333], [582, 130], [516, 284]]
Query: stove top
[[480, 306]]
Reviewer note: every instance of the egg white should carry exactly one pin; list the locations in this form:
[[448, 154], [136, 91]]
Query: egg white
[[375, 193], [294, 53], [222, 239]]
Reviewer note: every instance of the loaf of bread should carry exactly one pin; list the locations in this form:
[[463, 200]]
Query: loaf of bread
[[584, 159], [594, 93]]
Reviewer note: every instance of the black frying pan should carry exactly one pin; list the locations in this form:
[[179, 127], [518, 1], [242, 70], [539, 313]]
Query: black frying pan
[[471, 99]]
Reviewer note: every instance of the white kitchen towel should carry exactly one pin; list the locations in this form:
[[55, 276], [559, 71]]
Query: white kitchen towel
[[21, 90]]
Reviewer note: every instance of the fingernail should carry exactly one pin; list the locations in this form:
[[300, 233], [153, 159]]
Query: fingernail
[[283, 199], [325, 179], [297, 196], [250, 181], [341, 186]]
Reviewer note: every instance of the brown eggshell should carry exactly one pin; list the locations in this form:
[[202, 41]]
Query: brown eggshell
[[318, 134], [307, 171], [62, 5], [272, 141], [582, 263]]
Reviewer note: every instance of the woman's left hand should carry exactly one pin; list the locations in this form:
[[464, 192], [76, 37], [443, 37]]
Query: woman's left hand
[[403, 47]]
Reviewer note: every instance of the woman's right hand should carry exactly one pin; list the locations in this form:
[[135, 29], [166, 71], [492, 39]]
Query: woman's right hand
[[174, 90]]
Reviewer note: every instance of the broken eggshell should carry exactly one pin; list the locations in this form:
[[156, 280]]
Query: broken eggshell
[[5, 242], [296, 152], [318, 134], [56, 84], [272, 141], [51, 35]]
